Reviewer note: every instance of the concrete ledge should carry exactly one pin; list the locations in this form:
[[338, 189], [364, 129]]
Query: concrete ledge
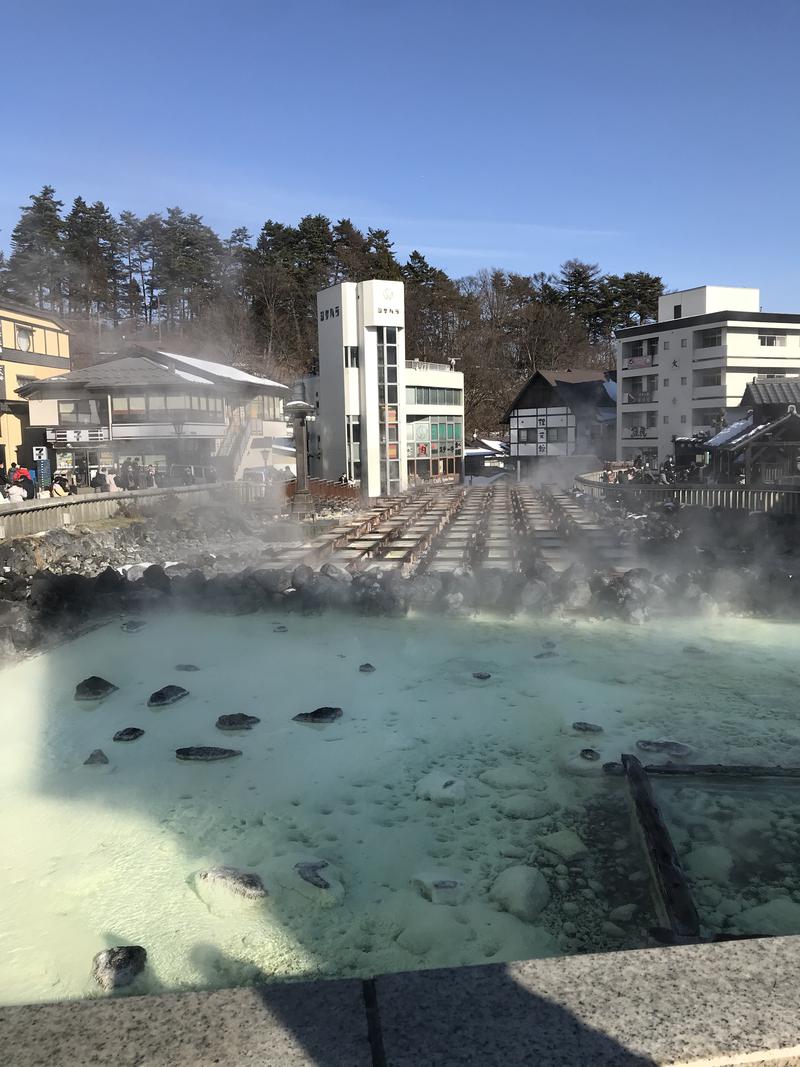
[[713, 1005], [293, 1025], [720, 1004]]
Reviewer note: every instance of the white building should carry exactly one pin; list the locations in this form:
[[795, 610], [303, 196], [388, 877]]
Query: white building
[[384, 422], [677, 376]]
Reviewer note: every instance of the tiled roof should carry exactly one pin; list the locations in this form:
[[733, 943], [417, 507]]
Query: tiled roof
[[773, 391]]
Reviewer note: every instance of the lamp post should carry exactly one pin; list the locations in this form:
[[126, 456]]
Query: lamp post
[[298, 409]]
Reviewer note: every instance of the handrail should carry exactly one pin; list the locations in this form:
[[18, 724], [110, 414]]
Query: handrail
[[738, 498]]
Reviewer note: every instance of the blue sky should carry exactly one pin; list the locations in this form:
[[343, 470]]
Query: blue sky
[[659, 137]]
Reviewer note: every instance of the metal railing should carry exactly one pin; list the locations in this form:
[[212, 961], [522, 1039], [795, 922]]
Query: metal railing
[[737, 498], [641, 398], [418, 364]]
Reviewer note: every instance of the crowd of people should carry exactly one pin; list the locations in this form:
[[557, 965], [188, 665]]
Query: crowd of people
[[641, 472]]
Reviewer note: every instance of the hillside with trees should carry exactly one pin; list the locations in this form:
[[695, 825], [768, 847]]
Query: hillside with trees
[[168, 278]]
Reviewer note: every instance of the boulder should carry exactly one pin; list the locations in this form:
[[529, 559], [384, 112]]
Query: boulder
[[95, 758], [301, 576], [521, 891], [336, 573], [366, 668], [237, 721], [130, 733], [312, 878], [564, 843], [245, 884], [155, 577], [441, 788], [117, 967], [533, 595], [206, 753], [273, 580], [94, 688], [440, 887], [525, 806], [319, 716], [169, 694]]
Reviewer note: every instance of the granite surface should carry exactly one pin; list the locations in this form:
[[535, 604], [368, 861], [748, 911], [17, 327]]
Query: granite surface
[[293, 1025], [715, 1005], [727, 1003]]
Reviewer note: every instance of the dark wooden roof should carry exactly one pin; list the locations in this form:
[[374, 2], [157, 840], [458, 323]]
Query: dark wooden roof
[[772, 391]]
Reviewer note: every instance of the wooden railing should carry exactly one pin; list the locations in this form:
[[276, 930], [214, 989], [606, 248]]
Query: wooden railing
[[738, 498]]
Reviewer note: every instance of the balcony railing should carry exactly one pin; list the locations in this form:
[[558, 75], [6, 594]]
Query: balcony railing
[[417, 364], [639, 433], [641, 397]]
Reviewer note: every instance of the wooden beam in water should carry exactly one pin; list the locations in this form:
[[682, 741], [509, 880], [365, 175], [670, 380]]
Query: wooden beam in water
[[673, 888], [708, 770]]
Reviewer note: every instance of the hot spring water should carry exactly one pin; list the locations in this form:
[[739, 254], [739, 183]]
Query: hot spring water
[[94, 856]]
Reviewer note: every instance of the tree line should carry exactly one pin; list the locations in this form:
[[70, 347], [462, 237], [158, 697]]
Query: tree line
[[169, 278]]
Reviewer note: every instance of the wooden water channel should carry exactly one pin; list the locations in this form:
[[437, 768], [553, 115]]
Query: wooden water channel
[[441, 528]]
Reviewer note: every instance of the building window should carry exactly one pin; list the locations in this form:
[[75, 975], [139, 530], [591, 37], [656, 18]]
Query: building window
[[677, 310], [556, 435], [709, 378], [666, 420], [684, 381], [666, 346], [771, 340], [666, 382], [423, 394], [652, 346], [683, 418], [78, 413], [684, 342], [709, 338], [351, 356], [386, 337], [24, 339], [651, 419]]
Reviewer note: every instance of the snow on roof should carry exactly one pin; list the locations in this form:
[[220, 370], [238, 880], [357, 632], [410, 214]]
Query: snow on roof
[[499, 446], [728, 434], [222, 370], [192, 377]]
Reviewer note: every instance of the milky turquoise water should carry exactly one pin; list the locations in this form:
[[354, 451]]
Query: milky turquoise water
[[99, 856]]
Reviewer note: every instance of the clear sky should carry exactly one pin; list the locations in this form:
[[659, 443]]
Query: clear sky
[[661, 137]]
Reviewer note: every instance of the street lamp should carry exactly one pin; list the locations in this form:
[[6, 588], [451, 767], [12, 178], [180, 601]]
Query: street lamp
[[298, 410]]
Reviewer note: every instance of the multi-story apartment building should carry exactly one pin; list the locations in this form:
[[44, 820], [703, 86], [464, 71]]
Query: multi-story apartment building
[[381, 420], [677, 376], [33, 345]]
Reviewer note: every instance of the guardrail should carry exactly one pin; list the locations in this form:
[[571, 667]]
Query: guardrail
[[737, 498], [36, 516]]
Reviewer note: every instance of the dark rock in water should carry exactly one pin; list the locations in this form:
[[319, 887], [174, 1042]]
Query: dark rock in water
[[242, 883], [337, 573], [366, 668], [186, 667], [302, 575], [280, 629], [155, 577], [130, 733], [694, 650], [590, 754], [669, 748], [94, 688], [548, 644], [587, 728], [482, 676], [206, 753], [545, 655], [309, 872], [98, 756], [170, 694], [238, 721], [320, 715], [117, 967], [133, 626]]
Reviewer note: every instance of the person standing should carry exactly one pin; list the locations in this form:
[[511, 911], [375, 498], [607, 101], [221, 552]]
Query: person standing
[[150, 477]]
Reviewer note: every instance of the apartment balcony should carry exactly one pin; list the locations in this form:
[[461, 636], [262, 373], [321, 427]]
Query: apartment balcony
[[708, 355], [640, 362], [641, 397], [639, 433], [709, 392]]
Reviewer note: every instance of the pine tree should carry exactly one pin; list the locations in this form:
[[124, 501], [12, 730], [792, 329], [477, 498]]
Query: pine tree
[[36, 267]]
